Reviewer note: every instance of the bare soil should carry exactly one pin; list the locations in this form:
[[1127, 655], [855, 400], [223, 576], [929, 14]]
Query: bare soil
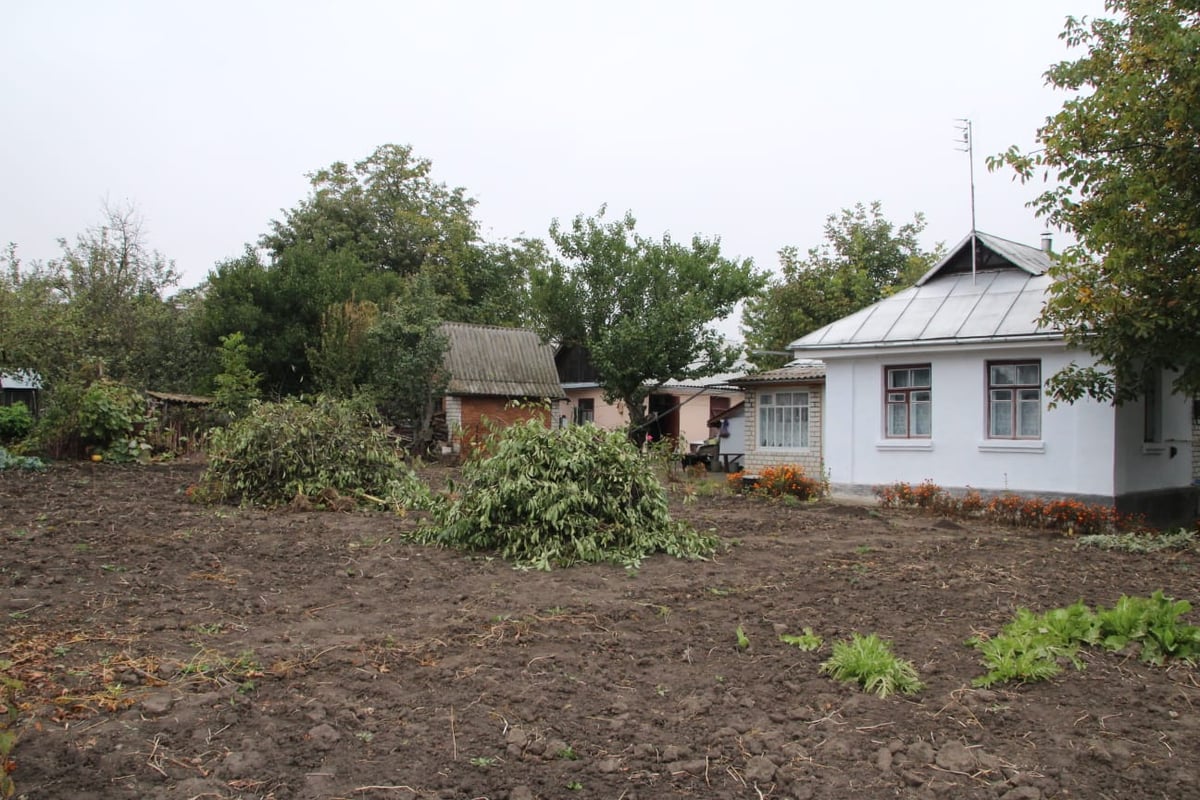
[[175, 650]]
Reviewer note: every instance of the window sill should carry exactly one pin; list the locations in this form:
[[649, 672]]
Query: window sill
[[1153, 448], [1012, 446], [905, 445]]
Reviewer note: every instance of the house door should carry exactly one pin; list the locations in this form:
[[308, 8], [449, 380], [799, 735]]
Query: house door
[[664, 411]]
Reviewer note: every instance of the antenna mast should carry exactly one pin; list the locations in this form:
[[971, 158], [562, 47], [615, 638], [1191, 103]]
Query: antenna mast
[[968, 146]]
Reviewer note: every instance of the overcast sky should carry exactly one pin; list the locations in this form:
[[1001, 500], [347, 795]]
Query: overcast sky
[[751, 121]]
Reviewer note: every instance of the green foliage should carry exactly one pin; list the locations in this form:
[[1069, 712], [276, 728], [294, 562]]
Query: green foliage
[[864, 257], [544, 497], [16, 422], [870, 662], [406, 372], [743, 641], [236, 384], [340, 363], [641, 307], [108, 412], [367, 233], [1124, 173], [1180, 539], [280, 451], [1153, 623], [808, 641], [28, 463], [1033, 646]]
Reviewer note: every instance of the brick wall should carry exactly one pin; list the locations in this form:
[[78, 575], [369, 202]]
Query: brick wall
[[811, 458], [472, 411]]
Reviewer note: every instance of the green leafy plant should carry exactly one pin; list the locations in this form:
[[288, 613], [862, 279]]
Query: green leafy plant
[[1180, 539], [10, 461], [870, 662], [807, 641], [1033, 646], [108, 411], [1153, 623], [743, 641], [557, 496], [324, 451], [16, 422]]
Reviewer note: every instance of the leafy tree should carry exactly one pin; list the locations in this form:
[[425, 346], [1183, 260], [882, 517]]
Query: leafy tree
[[406, 374], [640, 306], [367, 233], [863, 258], [236, 384], [1125, 165], [100, 303], [341, 361]]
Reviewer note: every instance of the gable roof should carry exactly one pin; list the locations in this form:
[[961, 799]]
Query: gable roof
[[1001, 301], [499, 362]]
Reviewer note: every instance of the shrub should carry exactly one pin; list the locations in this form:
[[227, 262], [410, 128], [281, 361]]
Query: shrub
[[108, 412], [1067, 515], [788, 480], [10, 461], [16, 422], [556, 496], [869, 662], [281, 451]]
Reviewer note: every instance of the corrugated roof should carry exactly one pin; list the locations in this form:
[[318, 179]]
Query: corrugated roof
[[20, 379], [1001, 301], [803, 371], [499, 362]]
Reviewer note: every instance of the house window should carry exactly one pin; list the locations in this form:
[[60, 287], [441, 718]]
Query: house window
[[1015, 400], [585, 411], [1152, 407], [783, 419], [909, 402]]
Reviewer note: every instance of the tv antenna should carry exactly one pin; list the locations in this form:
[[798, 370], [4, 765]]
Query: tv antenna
[[966, 142]]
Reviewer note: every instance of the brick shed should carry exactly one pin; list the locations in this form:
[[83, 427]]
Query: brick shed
[[491, 368]]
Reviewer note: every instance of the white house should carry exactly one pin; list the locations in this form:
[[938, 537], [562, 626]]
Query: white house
[[945, 381]]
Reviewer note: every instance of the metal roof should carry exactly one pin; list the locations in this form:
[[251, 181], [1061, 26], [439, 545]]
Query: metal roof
[[20, 379], [1001, 301], [801, 371], [500, 362]]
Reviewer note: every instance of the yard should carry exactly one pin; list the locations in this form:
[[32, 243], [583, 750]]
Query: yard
[[175, 650]]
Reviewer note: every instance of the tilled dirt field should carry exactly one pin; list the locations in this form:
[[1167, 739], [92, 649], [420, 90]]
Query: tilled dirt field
[[173, 650]]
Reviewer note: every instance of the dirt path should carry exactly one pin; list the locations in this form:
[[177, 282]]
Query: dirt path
[[172, 650]]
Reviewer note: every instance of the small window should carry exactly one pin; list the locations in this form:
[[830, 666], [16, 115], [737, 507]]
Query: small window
[[1015, 400], [908, 402], [585, 411], [783, 419], [1152, 407]]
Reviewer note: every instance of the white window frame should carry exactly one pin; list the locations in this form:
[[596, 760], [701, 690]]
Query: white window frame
[[1014, 399], [783, 425], [908, 389]]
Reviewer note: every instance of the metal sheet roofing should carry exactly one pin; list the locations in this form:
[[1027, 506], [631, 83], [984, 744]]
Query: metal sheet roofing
[[1001, 300], [801, 371], [500, 362]]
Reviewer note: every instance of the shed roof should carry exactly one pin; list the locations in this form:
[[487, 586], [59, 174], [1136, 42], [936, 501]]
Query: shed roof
[[20, 379], [803, 370], [499, 362], [1000, 300]]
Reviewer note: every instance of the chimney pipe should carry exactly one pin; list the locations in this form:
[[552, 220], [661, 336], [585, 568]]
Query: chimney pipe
[[1047, 243]]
